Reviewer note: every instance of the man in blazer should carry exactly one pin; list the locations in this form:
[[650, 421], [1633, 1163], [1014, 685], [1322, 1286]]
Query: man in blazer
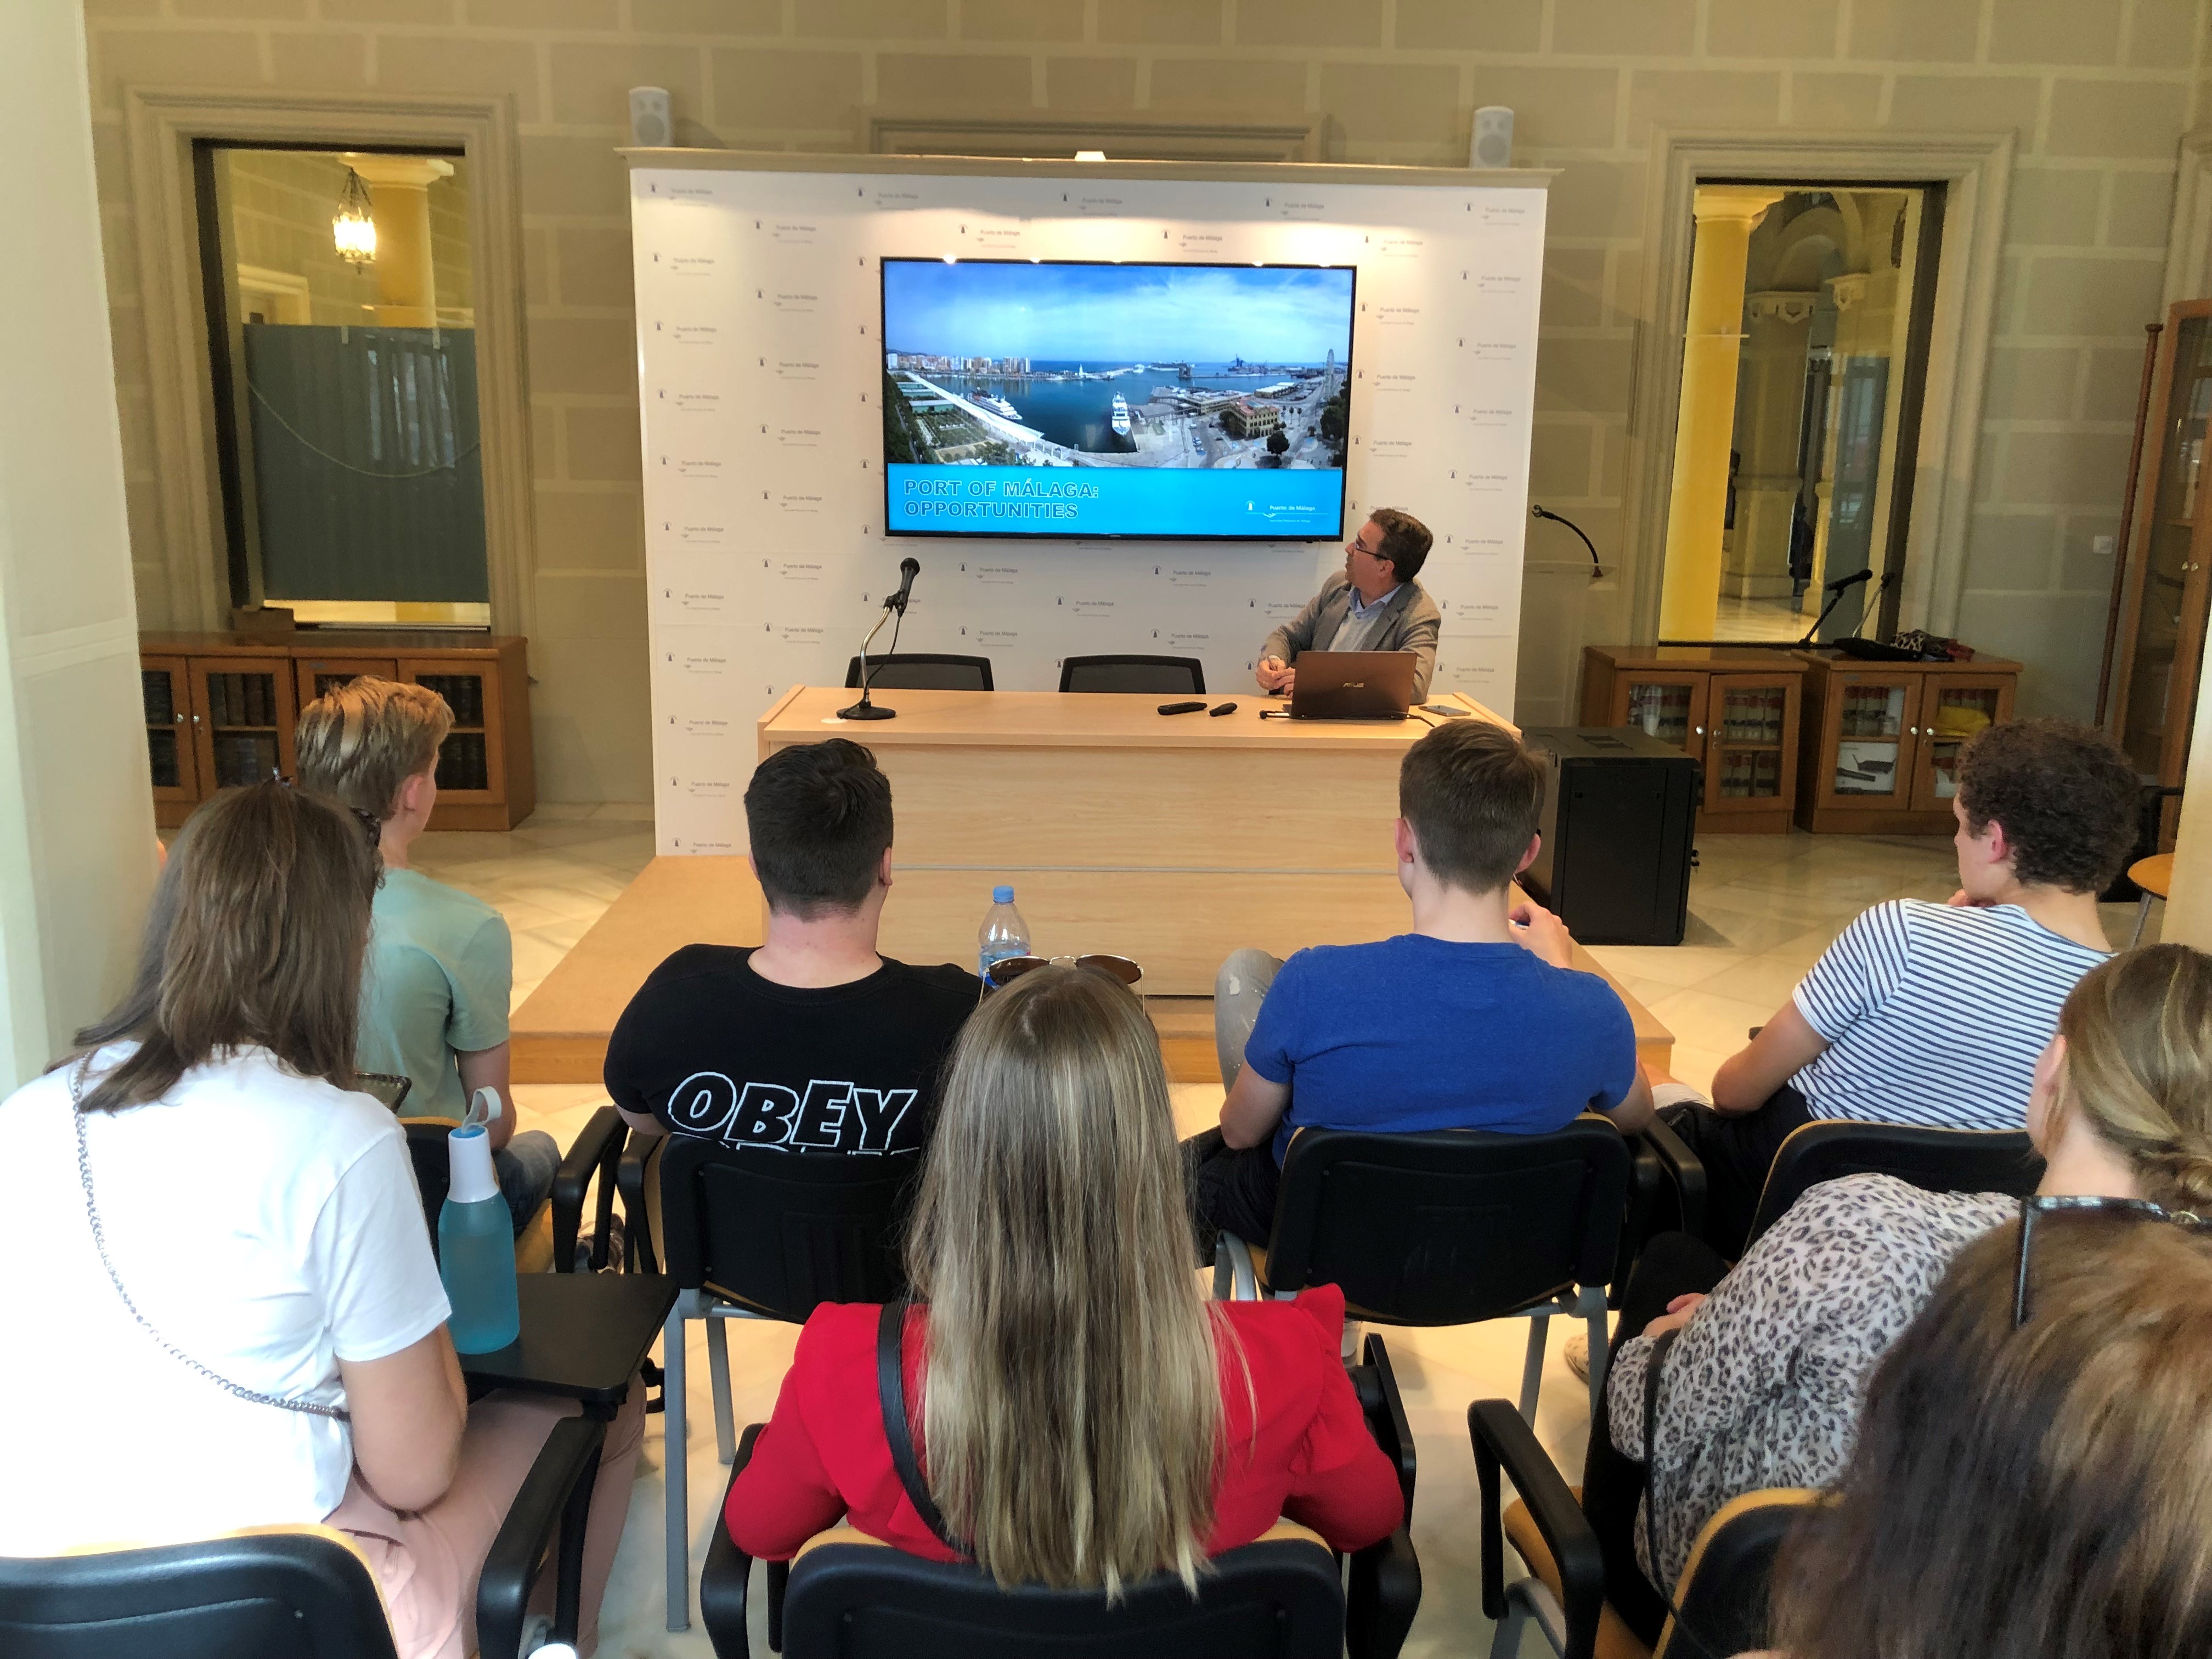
[[1375, 605]]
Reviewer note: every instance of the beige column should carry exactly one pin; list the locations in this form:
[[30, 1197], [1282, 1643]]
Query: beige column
[[399, 188], [77, 810], [1690, 592], [1777, 326]]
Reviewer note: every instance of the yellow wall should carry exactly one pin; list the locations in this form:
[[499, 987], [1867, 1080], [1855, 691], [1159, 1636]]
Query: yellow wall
[[281, 205], [2098, 90]]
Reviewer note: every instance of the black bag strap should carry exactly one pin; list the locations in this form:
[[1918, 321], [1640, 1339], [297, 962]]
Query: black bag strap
[[891, 1393]]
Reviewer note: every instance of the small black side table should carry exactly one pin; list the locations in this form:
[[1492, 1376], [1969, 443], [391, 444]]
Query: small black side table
[[584, 1336]]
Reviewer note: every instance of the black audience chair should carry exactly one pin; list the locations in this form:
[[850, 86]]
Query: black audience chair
[[762, 1233], [283, 1593], [1449, 1227], [1934, 1160], [1165, 677], [923, 671], [1722, 1594], [847, 1595]]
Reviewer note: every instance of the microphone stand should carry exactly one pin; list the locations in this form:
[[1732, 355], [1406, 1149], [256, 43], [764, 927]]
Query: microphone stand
[[1835, 599], [865, 710]]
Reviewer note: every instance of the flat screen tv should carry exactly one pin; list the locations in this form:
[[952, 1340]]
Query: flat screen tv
[[1064, 398]]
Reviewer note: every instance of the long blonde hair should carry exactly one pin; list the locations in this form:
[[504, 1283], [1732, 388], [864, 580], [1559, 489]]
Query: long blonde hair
[[2138, 1067], [1072, 1420]]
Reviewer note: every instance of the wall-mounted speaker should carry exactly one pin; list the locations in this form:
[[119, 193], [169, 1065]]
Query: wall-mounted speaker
[[653, 123], [1493, 145]]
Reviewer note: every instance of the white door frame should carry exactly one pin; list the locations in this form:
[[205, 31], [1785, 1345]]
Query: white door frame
[[1977, 169]]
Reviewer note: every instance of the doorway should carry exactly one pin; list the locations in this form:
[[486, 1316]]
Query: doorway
[[1804, 362], [338, 290]]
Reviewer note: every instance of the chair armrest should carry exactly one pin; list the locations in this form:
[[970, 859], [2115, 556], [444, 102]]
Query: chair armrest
[[1503, 1439], [728, 1572], [1244, 1283], [1387, 1419], [571, 1455], [1382, 1597], [1687, 1173], [629, 1178], [595, 1151]]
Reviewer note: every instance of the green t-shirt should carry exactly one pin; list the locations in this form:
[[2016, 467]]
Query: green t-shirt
[[439, 971]]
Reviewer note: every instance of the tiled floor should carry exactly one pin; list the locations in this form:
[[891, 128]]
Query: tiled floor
[[1760, 621], [1762, 908]]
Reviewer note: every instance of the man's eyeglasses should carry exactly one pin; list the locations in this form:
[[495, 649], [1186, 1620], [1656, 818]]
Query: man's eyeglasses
[[2141, 1209]]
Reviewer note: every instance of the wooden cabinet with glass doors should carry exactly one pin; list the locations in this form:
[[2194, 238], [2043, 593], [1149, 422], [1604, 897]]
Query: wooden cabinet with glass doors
[[1881, 740], [222, 710], [2163, 593], [1736, 710]]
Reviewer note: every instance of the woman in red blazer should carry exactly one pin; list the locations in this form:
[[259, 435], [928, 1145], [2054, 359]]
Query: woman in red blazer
[[1079, 1413]]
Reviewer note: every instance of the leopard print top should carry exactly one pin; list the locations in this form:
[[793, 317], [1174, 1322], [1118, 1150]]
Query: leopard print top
[[1762, 1387]]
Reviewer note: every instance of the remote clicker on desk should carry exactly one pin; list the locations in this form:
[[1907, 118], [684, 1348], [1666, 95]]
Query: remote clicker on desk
[[1181, 707]]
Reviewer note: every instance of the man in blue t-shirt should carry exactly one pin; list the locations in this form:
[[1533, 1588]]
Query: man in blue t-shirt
[[1474, 1020]]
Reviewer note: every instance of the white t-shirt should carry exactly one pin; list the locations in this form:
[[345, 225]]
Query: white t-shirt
[[266, 1223], [1935, 1015]]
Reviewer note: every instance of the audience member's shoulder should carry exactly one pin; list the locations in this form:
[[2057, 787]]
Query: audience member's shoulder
[[837, 1331], [946, 981], [1296, 1333], [1884, 1206], [455, 908], [694, 962]]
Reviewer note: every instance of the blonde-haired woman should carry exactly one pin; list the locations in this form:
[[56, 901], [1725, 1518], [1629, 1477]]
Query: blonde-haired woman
[[1080, 1415], [1763, 1384]]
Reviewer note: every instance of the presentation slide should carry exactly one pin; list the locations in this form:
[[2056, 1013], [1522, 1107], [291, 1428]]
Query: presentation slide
[[1049, 398]]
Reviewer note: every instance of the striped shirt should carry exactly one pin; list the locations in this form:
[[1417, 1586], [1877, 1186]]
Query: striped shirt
[[1935, 1016]]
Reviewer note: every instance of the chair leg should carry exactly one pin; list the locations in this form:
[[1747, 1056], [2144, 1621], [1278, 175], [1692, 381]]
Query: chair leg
[[1505, 1644], [1600, 1354], [718, 1371], [673, 1471], [1531, 1367], [2142, 917]]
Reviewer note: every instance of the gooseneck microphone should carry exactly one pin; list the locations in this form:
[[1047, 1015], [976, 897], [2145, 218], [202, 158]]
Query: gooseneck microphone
[[894, 604], [908, 569], [1835, 586]]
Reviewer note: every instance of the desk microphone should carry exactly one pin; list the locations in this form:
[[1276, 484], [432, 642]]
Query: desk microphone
[[908, 569], [1835, 586], [894, 603]]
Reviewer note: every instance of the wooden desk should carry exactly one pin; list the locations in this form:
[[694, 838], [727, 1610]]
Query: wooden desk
[[559, 1033], [1170, 839]]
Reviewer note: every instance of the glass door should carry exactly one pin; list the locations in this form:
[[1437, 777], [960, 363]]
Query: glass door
[[1868, 749], [1669, 707], [1753, 719], [167, 690], [1953, 707], [2165, 617], [243, 711]]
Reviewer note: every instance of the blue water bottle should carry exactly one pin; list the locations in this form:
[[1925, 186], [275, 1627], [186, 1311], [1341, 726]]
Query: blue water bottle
[[475, 1241], [1004, 934]]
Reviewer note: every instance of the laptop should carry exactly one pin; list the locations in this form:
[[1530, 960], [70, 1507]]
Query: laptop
[[1352, 685]]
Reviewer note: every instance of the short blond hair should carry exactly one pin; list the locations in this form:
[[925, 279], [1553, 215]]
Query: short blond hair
[[361, 741]]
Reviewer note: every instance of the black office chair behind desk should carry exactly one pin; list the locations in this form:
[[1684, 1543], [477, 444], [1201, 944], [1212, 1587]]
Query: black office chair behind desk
[[754, 1233], [922, 670], [1448, 1227], [1165, 677]]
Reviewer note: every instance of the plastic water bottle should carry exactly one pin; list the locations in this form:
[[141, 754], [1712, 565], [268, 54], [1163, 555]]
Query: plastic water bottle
[[1004, 934], [475, 1248]]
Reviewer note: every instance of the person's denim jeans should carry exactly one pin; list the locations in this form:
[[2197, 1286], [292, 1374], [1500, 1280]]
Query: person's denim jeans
[[526, 1167]]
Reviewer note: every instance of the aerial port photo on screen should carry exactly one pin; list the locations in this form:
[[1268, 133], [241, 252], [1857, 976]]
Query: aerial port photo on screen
[[1029, 363]]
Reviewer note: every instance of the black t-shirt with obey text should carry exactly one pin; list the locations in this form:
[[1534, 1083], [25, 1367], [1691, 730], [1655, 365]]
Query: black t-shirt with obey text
[[709, 1047]]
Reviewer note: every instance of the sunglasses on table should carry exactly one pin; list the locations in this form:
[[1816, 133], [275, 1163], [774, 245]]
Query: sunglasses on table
[[2140, 1209], [1006, 969]]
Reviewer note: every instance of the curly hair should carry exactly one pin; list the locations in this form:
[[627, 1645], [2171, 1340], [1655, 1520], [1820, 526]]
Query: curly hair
[[2066, 796]]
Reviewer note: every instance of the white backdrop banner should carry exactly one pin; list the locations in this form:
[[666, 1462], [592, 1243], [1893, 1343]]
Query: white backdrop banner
[[760, 369]]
